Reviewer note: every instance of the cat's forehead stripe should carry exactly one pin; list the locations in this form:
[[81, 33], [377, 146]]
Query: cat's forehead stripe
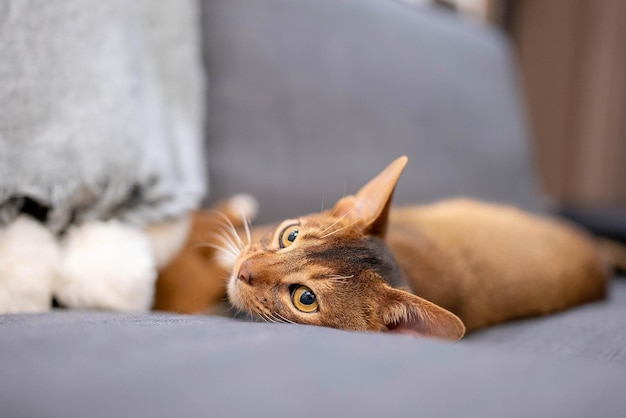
[[353, 257], [346, 257]]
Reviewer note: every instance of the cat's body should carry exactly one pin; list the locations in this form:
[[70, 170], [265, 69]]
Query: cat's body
[[491, 263], [364, 266]]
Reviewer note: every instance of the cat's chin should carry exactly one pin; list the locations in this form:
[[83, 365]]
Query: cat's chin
[[234, 296]]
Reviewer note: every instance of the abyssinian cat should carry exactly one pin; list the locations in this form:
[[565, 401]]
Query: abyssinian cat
[[435, 270]]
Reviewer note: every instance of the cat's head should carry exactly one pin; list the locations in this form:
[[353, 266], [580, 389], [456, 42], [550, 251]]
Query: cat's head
[[334, 269]]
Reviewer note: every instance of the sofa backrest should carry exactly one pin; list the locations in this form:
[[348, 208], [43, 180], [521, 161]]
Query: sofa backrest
[[311, 98]]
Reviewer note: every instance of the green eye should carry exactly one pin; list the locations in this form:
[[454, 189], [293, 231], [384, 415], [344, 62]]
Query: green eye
[[304, 299], [288, 236]]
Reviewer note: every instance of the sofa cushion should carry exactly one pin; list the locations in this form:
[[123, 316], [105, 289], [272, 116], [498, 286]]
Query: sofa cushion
[[596, 330], [88, 364], [312, 98]]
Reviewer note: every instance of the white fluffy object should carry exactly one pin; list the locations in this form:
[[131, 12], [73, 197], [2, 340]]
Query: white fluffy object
[[106, 265], [29, 262], [168, 238], [244, 205]]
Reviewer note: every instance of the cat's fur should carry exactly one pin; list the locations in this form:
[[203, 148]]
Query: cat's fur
[[432, 270], [195, 280]]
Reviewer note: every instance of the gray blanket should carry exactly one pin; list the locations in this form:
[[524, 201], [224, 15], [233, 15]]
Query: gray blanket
[[101, 109]]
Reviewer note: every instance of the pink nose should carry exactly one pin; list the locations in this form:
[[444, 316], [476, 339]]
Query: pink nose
[[244, 273]]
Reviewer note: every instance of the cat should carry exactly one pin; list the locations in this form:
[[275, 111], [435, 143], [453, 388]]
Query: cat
[[194, 280], [435, 271]]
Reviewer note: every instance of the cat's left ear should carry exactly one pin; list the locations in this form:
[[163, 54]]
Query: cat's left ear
[[371, 204], [406, 313]]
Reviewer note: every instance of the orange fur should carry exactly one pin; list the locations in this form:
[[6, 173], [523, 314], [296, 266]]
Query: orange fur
[[490, 263], [413, 269], [195, 280]]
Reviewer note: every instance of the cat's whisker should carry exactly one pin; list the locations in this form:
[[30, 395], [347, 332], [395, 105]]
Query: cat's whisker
[[337, 221], [225, 238], [225, 226], [231, 247], [283, 319], [215, 247], [228, 242], [269, 318], [278, 320], [230, 224], [339, 230], [231, 235], [246, 225], [225, 254], [333, 212], [332, 224], [337, 277]]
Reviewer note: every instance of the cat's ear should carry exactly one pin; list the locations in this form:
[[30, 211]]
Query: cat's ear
[[404, 312], [371, 204]]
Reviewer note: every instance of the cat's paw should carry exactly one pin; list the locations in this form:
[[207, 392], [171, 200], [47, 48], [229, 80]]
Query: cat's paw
[[242, 206], [106, 265], [29, 261]]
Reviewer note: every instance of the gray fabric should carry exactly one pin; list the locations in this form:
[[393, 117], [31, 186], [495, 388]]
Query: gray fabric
[[309, 98], [101, 109], [308, 94], [72, 364], [597, 331], [77, 364]]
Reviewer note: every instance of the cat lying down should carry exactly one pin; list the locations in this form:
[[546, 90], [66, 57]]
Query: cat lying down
[[434, 271]]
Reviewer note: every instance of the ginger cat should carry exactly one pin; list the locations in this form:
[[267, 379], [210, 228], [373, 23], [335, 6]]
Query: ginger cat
[[434, 271]]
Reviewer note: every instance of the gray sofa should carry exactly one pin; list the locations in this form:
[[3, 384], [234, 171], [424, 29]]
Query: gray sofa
[[308, 98]]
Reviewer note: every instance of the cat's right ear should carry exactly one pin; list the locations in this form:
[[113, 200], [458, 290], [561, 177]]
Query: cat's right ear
[[372, 203], [406, 313]]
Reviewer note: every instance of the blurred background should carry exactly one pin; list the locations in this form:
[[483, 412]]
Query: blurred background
[[308, 100], [572, 59], [342, 77]]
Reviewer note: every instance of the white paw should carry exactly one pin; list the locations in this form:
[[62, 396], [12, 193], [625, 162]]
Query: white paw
[[168, 238], [244, 205], [29, 260], [106, 265]]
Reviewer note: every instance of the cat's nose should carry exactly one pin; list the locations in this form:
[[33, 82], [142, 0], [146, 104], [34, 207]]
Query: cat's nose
[[244, 273]]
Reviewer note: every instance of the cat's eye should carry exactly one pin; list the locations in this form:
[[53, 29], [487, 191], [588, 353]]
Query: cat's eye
[[304, 299], [288, 236]]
